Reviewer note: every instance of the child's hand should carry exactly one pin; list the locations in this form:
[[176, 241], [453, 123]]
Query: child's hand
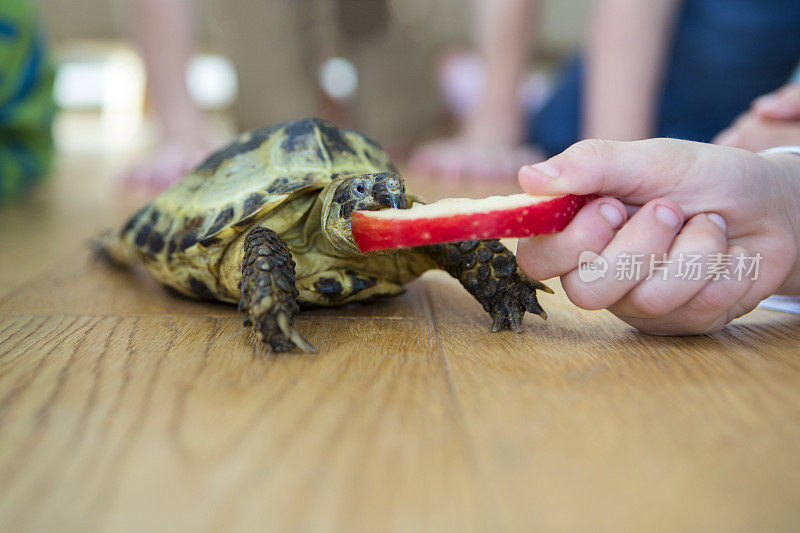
[[783, 104], [752, 132], [684, 199], [773, 120]]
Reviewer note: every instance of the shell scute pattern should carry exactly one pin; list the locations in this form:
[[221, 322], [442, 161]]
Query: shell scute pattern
[[253, 202], [239, 184], [333, 140], [134, 220], [222, 220], [370, 150], [298, 135], [245, 143]]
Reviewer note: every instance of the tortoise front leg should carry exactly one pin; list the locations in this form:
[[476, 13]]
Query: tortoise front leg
[[488, 270], [268, 292]]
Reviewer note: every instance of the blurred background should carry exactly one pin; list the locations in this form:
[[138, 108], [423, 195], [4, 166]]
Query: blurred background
[[138, 92], [114, 70], [259, 63]]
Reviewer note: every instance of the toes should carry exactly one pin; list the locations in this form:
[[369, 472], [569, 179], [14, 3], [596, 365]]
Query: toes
[[500, 320], [508, 309], [275, 338], [285, 324], [534, 284], [515, 315], [530, 305], [279, 343], [298, 341], [529, 300], [279, 333]]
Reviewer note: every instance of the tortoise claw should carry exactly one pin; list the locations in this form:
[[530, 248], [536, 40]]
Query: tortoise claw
[[489, 271], [539, 285], [500, 317], [529, 301], [516, 313]]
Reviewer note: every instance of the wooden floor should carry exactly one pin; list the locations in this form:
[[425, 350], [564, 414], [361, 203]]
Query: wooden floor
[[123, 408]]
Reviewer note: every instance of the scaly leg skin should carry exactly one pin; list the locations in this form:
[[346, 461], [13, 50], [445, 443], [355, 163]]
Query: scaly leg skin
[[268, 292], [488, 270]]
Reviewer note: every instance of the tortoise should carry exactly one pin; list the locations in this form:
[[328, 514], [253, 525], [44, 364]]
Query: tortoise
[[265, 223]]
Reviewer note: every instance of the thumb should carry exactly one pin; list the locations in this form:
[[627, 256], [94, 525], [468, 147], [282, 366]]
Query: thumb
[[783, 104], [635, 172]]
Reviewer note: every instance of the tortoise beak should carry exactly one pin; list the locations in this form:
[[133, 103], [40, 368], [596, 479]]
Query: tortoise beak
[[393, 201], [392, 198]]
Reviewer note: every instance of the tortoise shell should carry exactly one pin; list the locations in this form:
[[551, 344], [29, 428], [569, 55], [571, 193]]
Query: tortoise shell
[[243, 181]]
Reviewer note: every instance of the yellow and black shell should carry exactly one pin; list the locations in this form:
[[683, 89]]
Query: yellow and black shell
[[188, 227]]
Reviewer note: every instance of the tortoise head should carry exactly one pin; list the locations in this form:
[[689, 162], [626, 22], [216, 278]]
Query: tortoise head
[[364, 192]]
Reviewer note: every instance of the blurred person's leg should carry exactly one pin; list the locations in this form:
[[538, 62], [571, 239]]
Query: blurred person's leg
[[272, 49], [396, 94], [26, 102], [489, 145], [164, 32]]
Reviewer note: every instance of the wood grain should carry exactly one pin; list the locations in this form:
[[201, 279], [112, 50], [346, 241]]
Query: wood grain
[[123, 408]]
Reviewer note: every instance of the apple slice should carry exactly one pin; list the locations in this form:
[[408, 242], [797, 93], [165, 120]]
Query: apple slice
[[461, 219]]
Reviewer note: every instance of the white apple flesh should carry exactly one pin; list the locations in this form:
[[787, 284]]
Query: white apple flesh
[[461, 219]]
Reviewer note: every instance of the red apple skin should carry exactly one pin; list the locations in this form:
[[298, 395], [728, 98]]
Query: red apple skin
[[373, 233]]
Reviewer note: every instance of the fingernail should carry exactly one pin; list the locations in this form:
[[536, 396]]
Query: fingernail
[[547, 168], [611, 214], [719, 221], [667, 216]]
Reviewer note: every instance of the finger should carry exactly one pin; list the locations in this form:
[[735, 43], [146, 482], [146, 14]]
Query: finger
[[594, 226], [783, 104], [632, 171], [719, 302], [730, 135], [756, 134], [650, 231], [727, 137], [682, 274], [525, 156]]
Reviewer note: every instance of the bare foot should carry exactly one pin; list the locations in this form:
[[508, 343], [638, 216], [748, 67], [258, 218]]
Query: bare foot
[[461, 159], [166, 164], [489, 146]]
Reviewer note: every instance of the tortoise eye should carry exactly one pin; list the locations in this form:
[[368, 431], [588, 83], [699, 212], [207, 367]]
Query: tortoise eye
[[360, 189]]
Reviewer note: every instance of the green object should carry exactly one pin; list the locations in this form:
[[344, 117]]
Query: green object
[[26, 100]]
